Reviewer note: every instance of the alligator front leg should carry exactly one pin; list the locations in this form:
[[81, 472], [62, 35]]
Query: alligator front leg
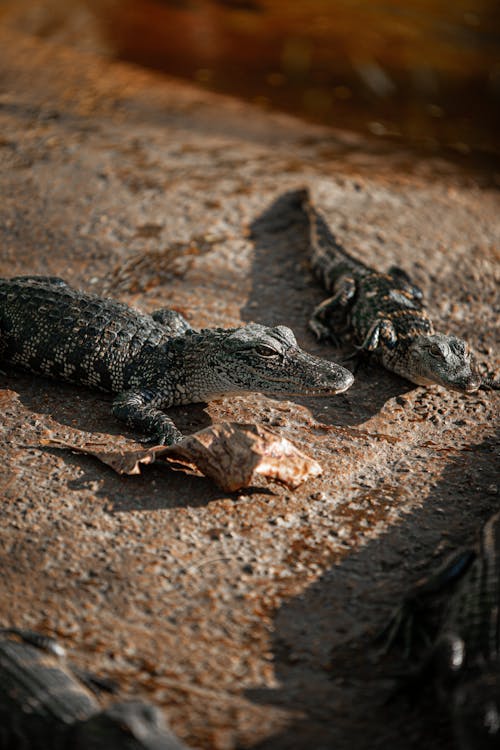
[[321, 321], [400, 275], [137, 410], [381, 332]]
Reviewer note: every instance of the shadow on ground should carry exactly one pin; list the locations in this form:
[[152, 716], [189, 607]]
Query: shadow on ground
[[154, 489], [89, 412], [284, 291], [322, 642]]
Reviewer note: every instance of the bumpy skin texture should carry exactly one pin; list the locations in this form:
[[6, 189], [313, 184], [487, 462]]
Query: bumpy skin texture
[[465, 658], [44, 707], [150, 362], [386, 314]]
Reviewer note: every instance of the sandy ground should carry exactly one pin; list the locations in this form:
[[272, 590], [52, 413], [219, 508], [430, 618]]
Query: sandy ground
[[247, 617]]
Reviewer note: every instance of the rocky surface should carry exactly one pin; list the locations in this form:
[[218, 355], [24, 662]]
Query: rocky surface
[[247, 618]]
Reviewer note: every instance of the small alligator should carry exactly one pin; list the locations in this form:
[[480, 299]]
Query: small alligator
[[464, 662], [153, 361], [44, 707], [386, 314]]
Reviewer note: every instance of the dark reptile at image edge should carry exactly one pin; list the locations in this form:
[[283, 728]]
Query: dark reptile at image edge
[[463, 660], [44, 706], [152, 361]]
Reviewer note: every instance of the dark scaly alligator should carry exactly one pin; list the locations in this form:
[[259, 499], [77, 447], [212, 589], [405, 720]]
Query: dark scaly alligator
[[43, 706], [385, 312], [464, 660], [153, 361]]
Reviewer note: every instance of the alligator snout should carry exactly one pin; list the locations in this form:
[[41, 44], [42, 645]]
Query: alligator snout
[[468, 381], [337, 380], [319, 377], [472, 384]]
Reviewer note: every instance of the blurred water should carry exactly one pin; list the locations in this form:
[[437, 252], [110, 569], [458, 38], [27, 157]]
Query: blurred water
[[426, 72]]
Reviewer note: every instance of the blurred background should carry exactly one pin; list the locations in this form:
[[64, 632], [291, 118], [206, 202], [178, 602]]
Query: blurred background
[[424, 72]]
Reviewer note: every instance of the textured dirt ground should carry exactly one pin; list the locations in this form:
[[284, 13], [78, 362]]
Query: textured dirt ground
[[246, 617]]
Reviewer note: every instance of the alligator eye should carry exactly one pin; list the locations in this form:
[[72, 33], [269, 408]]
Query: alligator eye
[[265, 351], [435, 350]]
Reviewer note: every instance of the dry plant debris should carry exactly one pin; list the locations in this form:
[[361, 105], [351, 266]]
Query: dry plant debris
[[230, 454]]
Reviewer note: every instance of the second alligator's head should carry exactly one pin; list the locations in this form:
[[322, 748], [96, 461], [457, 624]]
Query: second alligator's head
[[441, 359], [256, 358]]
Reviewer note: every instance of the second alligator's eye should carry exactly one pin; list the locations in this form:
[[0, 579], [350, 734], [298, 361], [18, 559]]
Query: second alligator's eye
[[435, 350], [265, 351]]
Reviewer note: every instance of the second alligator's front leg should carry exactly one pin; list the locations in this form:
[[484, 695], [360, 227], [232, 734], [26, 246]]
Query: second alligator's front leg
[[138, 410], [321, 321], [400, 276], [322, 330], [381, 331]]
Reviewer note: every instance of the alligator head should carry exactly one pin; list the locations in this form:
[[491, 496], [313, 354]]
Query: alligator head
[[445, 360], [258, 358]]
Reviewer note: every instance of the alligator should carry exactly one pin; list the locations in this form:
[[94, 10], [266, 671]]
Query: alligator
[[386, 314], [151, 362], [43, 706], [464, 660]]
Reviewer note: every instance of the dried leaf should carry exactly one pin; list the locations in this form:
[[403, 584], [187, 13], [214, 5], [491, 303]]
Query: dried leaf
[[228, 453], [232, 454], [123, 462]]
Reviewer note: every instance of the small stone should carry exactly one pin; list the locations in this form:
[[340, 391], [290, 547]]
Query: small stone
[[318, 496]]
